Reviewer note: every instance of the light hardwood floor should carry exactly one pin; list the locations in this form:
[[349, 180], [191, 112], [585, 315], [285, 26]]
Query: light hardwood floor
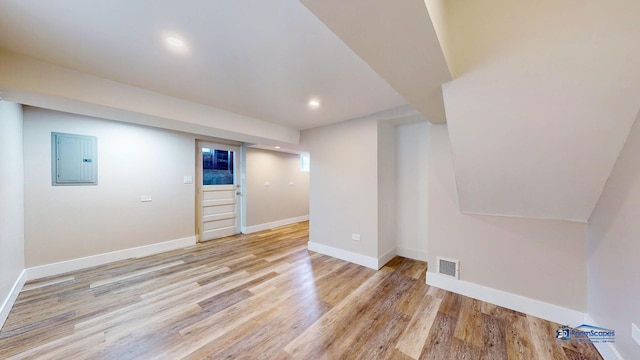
[[265, 296]]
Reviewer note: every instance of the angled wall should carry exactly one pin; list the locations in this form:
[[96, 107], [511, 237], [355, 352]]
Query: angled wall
[[543, 260], [398, 40], [542, 99], [613, 249]]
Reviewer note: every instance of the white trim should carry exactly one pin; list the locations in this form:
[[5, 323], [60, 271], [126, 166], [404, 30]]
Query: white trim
[[273, 224], [409, 253], [7, 304], [511, 301], [62, 267], [608, 350], [384, 259], [345, 255]]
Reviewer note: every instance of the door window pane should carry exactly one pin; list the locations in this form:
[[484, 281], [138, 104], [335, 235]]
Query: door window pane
[[217, 167]]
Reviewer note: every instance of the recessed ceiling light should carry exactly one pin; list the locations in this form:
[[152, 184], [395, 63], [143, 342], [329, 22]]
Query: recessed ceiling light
[[277, 147], [314, 103], [175, 43]]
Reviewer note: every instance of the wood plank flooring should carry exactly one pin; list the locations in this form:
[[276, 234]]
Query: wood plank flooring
[[265, 296]]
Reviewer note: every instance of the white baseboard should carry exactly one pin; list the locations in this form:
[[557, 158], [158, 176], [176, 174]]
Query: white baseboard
[[608, 350], [8, 302], [386, 257], [345, 255], [511, 301], [411, 253], [273, 224], [62, 267]]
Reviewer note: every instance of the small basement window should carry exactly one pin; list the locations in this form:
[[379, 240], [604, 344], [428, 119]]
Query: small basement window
[[74, 159], [304, 162]]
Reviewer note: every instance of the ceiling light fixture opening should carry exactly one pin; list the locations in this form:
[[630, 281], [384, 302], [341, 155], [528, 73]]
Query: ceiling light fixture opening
[[314, 103], [175, 43], [277, 147]]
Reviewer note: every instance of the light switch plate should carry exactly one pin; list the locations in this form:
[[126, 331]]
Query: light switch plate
[[266, 183], [355, 237], [145, 198], [188, 179]]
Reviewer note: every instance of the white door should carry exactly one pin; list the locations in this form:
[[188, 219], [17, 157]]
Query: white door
[[218, 190]]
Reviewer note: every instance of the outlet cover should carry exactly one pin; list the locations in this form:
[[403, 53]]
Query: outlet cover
[[355, 237], [145, 198], [188, 179], [635, 333]]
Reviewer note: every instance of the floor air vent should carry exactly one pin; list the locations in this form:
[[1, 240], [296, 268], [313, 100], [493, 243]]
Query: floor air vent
[[448, 267]]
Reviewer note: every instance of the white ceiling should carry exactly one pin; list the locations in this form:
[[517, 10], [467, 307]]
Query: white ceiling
[[398, 40], [262, 59]]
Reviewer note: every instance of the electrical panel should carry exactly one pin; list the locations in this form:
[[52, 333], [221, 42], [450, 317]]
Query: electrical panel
[[74, 159]]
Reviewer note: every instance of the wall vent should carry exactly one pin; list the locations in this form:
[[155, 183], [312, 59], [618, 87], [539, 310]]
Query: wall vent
[[448, 267]]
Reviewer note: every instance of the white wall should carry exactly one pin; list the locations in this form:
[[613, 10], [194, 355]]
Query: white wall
[[411, 190], [386, 190], [543, 260], [343, 193], [352, 189], [68, 222], [614, 249], [286, 196], [11, 202]]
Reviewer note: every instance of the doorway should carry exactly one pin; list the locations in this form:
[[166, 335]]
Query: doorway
[[218, 190]]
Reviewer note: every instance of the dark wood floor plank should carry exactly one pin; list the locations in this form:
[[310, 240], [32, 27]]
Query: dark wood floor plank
[[516, 329], [543, 339], [470, 321], [493, 333], [461, 350], [440, 340]]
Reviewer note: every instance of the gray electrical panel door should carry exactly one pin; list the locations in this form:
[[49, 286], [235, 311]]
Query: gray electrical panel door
[[74, 159]]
